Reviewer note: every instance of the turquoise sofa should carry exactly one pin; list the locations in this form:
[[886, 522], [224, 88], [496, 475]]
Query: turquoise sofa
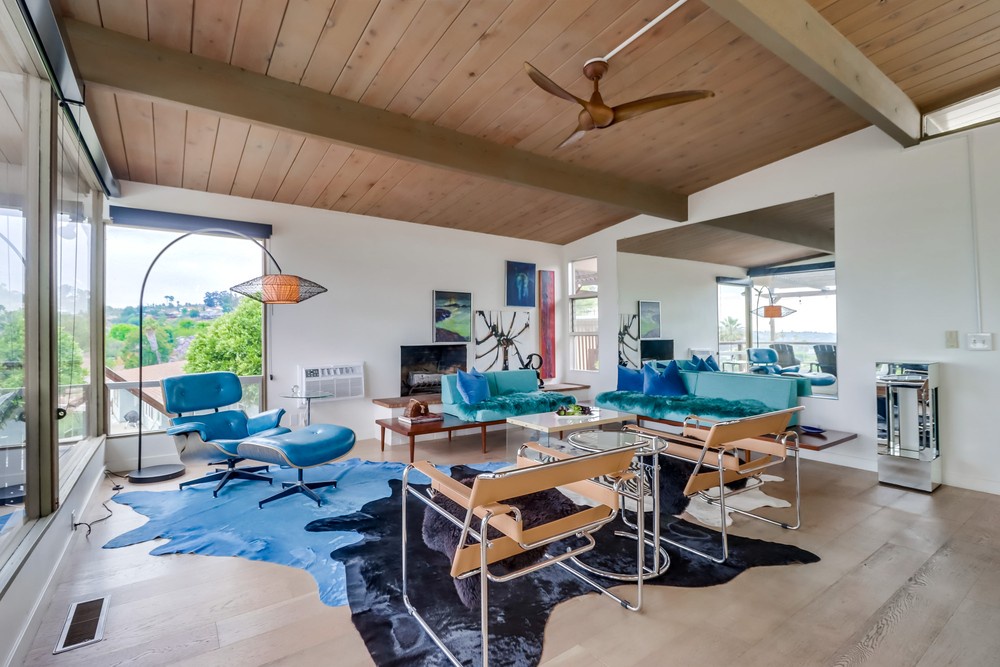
[[512, 393], [716, 395]]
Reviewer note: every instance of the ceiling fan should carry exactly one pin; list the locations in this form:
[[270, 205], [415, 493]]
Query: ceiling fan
[[595, 113]]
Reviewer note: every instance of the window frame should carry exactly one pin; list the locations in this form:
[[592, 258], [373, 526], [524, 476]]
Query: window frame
[[575, 337]]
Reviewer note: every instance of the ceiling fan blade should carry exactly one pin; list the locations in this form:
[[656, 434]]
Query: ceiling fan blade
[[550, 86], [573, 138], [584, 125], [635, 108]]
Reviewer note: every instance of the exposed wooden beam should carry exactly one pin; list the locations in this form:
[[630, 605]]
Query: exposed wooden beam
[[799, 35], [125, 63]]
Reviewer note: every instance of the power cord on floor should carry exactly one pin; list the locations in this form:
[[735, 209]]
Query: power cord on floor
[[117, 488]]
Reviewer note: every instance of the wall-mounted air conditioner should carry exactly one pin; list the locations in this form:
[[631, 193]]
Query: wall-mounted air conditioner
[[340, 380]]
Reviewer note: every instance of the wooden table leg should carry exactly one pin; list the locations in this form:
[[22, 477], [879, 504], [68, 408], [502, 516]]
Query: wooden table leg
[[449, 435], [484, 438], [383, 438], [412, 445]]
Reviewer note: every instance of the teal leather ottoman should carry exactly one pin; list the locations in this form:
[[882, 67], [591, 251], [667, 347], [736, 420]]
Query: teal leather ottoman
[[314, 445]]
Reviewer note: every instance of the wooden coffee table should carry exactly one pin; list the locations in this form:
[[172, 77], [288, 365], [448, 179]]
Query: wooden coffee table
[[447, 425]]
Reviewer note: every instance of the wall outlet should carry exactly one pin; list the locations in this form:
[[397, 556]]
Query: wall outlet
[[951, 339], [980, 342], [72, 520]]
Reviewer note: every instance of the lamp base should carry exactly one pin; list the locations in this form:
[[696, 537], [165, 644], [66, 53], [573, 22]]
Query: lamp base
[[159, 473]]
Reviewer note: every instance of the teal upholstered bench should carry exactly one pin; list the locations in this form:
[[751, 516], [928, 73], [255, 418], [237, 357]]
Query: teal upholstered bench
[[512, 393], [307, 447]]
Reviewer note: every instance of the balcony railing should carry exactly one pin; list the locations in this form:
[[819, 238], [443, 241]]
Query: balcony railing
[[584, 352], [124, 412]]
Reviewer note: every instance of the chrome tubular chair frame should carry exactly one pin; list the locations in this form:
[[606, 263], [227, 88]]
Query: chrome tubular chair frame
[[787, 440], [487, 517]]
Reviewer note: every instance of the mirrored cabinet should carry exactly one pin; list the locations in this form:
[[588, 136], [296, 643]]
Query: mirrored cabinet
[[906, 399]]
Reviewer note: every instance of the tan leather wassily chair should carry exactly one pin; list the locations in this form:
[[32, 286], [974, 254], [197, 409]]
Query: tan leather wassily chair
[[491, 503], [729, 451]]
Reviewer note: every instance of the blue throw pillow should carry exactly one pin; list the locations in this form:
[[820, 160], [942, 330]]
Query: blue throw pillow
[[629, 379], [472, 386], [666, 383], [699, 364], [712, 364]]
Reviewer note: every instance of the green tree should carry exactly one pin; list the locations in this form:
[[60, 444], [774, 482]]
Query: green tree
[[731, 330], [230, 343], [224, 299], [122, 331], [71, 370], [152, 329]]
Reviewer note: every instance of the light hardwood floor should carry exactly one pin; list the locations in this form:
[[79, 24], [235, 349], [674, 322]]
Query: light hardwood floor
[[906, 578]]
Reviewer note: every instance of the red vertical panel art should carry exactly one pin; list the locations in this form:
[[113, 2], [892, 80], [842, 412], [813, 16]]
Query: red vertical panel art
[[547, 323]]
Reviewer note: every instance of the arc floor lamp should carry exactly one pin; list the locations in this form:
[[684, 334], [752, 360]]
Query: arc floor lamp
[[270, 288]]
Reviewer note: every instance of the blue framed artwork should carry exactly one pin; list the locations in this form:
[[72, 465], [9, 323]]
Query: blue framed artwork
[[520, 284]]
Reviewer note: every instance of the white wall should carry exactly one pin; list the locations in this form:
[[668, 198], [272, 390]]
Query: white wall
[[380, 275], [905, 275]]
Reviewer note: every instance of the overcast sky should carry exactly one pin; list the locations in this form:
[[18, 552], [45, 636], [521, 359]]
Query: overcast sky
[[196, 265]]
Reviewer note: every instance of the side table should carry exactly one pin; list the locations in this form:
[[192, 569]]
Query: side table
[[309, 397]]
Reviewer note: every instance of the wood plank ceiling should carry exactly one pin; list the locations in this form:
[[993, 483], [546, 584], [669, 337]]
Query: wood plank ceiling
[[458, 64]]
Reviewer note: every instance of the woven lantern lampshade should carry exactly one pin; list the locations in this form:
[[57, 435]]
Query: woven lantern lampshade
[[773, 311], [276, 288]]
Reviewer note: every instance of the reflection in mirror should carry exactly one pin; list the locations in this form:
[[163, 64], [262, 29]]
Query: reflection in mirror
[[763, 279], [795, 314]]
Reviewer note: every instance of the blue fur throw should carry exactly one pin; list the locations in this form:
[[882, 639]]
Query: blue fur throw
[[678, 407], [519, 403]]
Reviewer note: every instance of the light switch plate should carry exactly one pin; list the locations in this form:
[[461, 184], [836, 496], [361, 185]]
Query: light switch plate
[[951, 339], [980, 342]]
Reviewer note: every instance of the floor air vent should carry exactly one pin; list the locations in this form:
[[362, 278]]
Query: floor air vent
[[84, 624]]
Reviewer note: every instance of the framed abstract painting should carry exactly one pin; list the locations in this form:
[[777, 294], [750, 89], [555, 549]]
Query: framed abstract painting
[[628, 341], [649, 319], [452, 317], [547, 323], [503, 339], [520, 280]]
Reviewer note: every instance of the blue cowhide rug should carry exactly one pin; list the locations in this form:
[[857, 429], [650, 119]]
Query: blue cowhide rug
[[351, 546]]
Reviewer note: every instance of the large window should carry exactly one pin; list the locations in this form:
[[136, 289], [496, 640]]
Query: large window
[[14, 194], [73, 239], [583, 314], [192, 322], [733, 326]]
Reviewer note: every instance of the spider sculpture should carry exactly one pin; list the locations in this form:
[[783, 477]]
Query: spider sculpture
[[628, 339], [503, 338]]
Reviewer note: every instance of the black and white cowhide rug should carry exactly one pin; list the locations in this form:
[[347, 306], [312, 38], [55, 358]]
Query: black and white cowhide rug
[[519, 609]]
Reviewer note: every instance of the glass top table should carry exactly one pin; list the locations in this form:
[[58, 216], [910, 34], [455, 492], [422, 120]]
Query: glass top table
[[593, 440], [640, 495], [544, 426]]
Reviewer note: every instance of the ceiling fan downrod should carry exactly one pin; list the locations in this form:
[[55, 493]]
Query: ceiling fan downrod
[[642, 31]]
